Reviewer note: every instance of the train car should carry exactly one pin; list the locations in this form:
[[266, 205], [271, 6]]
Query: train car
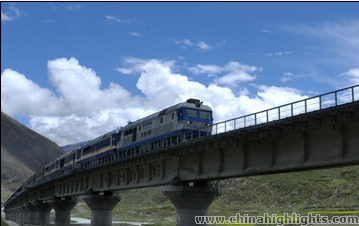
[[173, 125], [99, 145]]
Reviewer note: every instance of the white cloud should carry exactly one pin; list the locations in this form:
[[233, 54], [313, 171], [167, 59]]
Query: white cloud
[[72, 6], [109, 17], [230, 74], [20, 95], [133, 33], [204, 46], [266, 31], [185, 43], [12, 13], [205, 69], [118, 20], [288, 76], [279, 53], [80, 109], [351, 77], [5, 17]]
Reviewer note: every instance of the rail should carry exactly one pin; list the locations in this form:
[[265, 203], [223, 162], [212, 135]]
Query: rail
[[323, 101]]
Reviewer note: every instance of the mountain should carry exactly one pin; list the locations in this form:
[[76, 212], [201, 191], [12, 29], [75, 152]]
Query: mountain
[[23, 152]]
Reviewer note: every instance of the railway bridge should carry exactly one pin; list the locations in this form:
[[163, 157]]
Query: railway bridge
[[318, 132]]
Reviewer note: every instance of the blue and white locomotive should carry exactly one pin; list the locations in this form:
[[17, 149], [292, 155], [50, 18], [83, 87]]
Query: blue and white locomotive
[[171, 126]]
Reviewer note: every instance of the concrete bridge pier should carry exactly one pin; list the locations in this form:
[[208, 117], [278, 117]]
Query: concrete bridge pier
[[63, 209], [101, 208], [8, 214], [14, 214], [30, 213], [11, 214], [191, 201], [25, 214], [43, 212], [19, 215]]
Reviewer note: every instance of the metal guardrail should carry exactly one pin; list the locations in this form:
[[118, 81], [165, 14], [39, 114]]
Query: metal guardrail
[[323, 101]]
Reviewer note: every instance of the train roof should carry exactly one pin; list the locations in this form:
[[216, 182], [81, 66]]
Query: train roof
[[190, 103]]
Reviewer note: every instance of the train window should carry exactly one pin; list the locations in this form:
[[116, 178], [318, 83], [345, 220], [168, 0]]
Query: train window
[[180, 114], [161, 120], [162, 113], [146, 124], [191, 113], [173, 115], [205, 114]]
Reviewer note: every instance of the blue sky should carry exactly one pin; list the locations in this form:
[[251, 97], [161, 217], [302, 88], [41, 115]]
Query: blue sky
[[75, 70]]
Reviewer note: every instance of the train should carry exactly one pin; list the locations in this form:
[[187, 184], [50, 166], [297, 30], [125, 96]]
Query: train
[[171, 126]]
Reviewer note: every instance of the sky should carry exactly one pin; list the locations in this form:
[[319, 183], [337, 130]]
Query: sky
[[73, 71]]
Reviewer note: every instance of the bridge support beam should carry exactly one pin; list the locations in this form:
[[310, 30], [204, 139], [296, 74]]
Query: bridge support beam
[[63, 209], [101, 208], [190, 201]]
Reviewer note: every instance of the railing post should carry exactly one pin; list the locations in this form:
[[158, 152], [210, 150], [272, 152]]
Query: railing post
[[336, 98], [352, 93], [278, 113], [320, 102], [305, 106]]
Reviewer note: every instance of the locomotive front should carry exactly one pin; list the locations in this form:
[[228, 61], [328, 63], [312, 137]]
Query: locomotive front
[[195, 119]]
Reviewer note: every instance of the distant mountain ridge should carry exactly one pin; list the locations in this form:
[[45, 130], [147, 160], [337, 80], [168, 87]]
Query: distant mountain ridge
[[23, 152]]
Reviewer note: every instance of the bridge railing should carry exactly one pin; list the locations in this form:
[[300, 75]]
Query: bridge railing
[[327, 100]]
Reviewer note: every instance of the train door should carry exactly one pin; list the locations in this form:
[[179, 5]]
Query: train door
[[62, 162]]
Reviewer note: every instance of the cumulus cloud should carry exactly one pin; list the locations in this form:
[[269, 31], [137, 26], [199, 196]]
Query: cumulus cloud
[[79, 109], [20, 95]]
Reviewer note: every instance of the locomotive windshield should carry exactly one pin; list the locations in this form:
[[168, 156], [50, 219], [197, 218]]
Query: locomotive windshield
[[190, 114]]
